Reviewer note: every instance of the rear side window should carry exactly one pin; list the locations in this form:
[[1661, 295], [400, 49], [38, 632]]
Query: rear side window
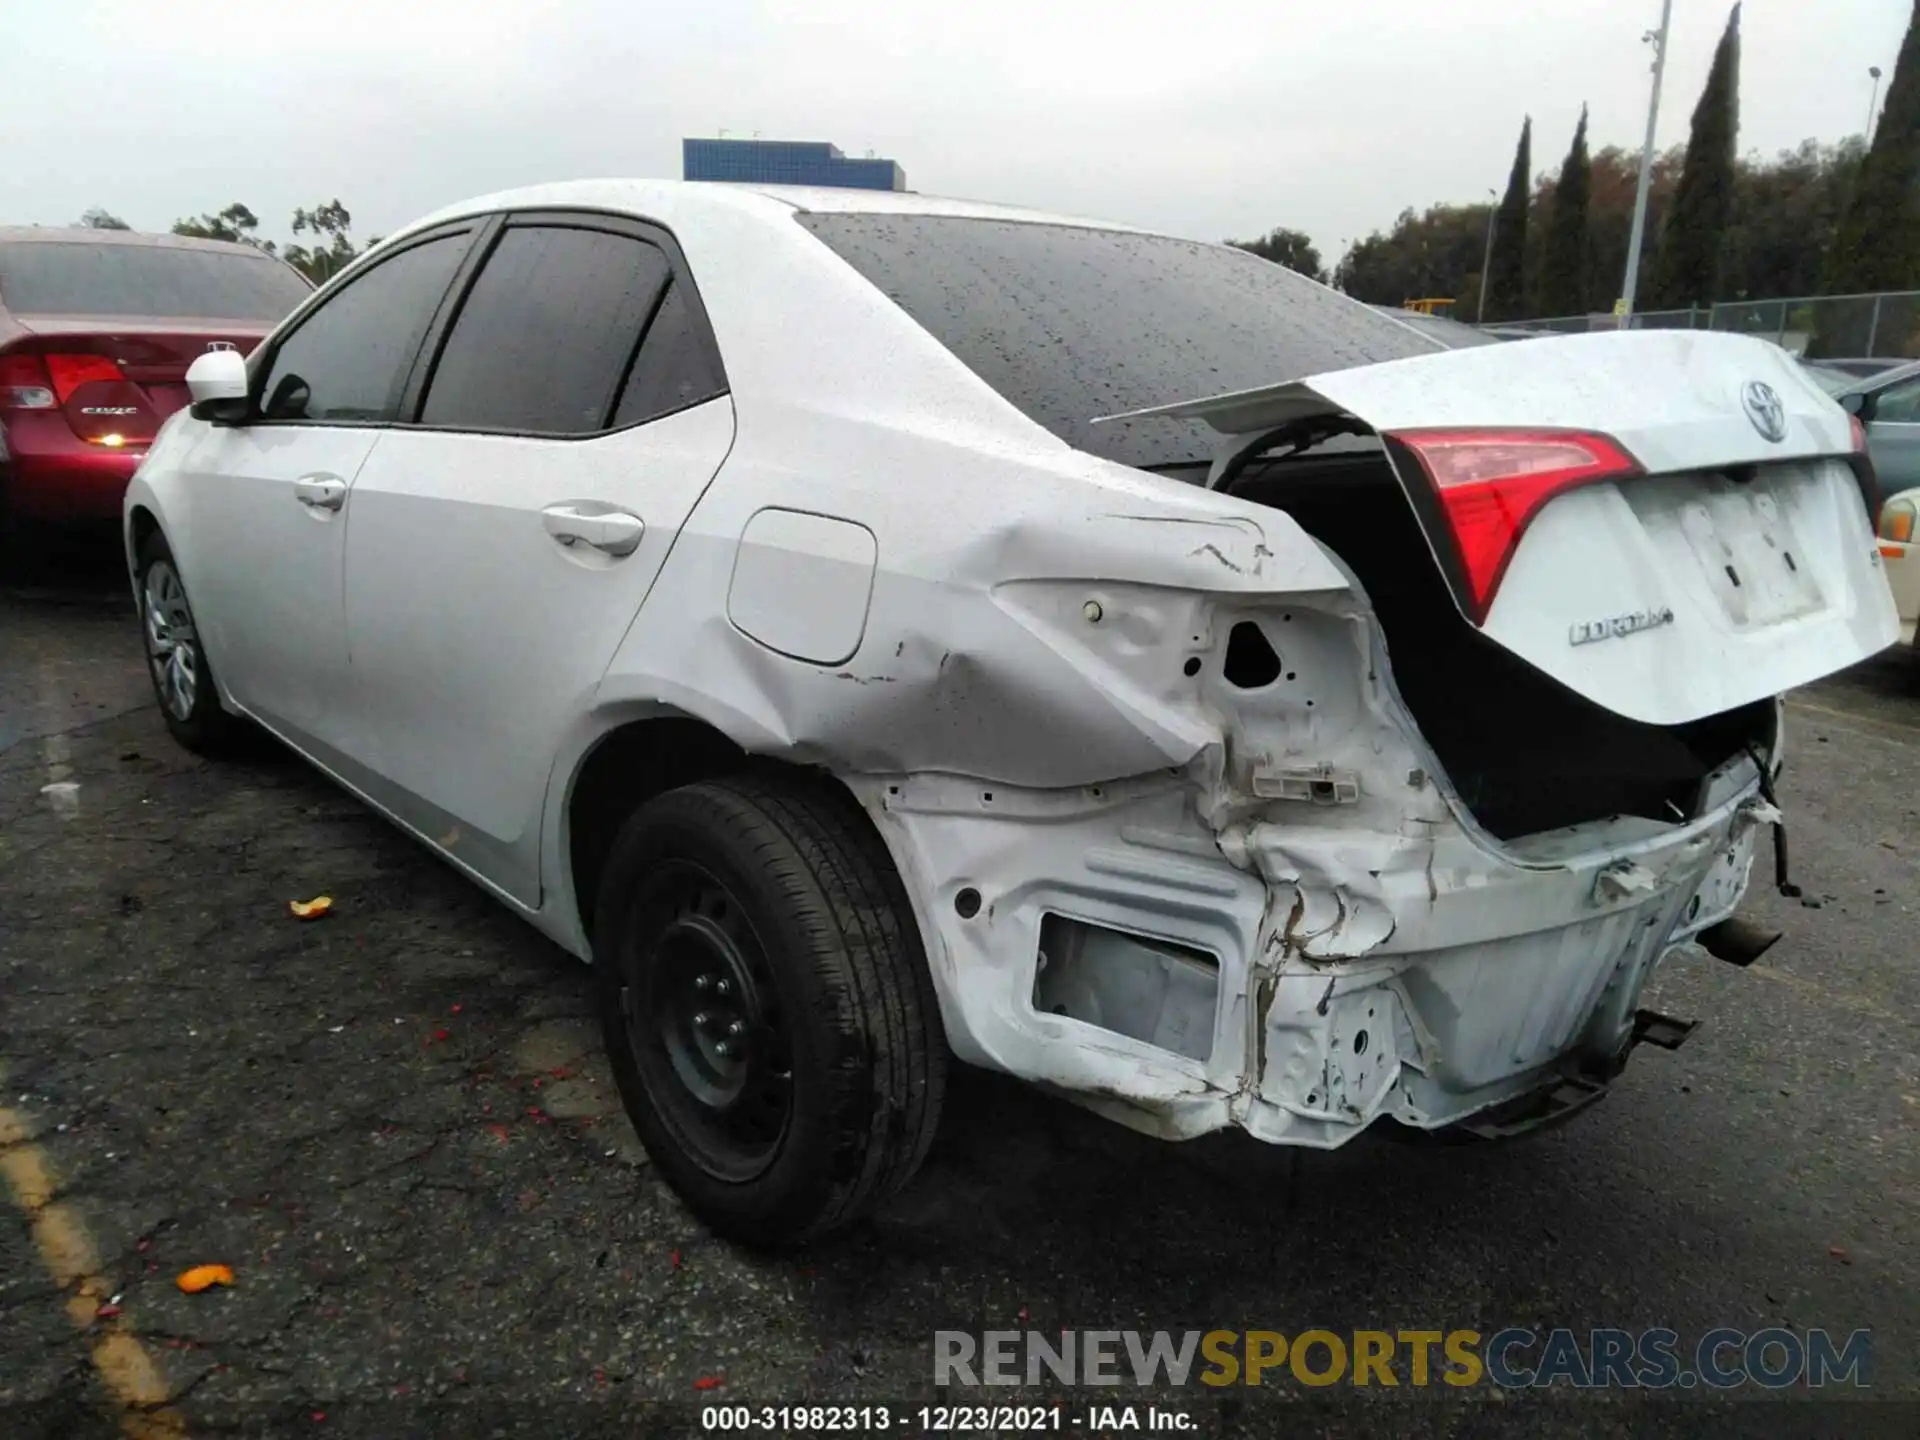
[[347, 360], [545, 337], [676, 367], [1070, 323], [39, 277]]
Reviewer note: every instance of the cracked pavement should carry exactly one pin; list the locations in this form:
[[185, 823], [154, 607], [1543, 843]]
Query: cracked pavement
[[395, 1126]]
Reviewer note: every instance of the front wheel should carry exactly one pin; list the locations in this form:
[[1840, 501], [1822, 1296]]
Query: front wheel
[[176, 659], [766, 1004]]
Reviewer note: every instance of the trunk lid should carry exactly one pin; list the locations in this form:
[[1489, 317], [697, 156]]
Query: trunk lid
[[1728, 554], [122, 376]]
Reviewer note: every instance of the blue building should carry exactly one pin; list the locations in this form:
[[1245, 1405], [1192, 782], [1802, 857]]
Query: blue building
[[785, 162]]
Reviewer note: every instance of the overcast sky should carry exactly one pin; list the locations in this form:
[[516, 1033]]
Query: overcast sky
[[1209, 118]]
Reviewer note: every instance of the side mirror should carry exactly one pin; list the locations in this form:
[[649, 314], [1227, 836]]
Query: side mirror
[[1855, 403], [217, 381]]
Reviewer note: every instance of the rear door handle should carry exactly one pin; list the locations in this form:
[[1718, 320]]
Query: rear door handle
[[612, 532], [320, 492]]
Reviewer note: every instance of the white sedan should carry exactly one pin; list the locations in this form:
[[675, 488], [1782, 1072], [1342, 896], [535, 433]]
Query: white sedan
[[874, 629]]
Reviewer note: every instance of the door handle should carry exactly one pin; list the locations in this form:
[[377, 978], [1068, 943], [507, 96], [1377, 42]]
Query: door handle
[[612, 532], [320, 492]]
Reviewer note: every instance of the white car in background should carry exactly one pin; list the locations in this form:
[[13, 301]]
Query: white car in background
[[872, 627]]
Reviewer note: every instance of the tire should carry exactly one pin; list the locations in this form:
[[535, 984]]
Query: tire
[[767, 1006], [183, 684]]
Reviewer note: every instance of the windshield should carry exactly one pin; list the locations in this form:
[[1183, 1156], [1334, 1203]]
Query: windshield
[[1070, 323], [39, 277]]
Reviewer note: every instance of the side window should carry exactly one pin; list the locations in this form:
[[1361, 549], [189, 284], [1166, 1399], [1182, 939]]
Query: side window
[[1899, 404], [348, 359], [546, 333], [675, 367]]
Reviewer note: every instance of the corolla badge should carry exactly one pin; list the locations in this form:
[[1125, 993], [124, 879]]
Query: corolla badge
[[1764, 409], [1611, 627]]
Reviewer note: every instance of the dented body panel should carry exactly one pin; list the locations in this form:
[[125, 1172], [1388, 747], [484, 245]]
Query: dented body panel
[[1188, 901], [1036, 720]]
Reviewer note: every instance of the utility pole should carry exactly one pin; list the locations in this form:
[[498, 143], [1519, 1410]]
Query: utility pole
[[1624, 310], [1872, 103], [1486, 263]]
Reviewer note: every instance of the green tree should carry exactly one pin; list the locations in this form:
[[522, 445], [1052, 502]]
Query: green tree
[[1290, 248], [332, 250], [1615, 176], [1565, 257], [235, 223], [1693, 242], [1506, 275], [1877, 246], [1785, 210], [98, 219], [1438, 252]]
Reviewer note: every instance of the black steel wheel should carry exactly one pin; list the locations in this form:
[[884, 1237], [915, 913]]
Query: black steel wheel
[[704, 1022], [766, 1004]]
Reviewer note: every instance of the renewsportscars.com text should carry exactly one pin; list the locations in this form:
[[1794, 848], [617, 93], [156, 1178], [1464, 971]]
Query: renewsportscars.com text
[[1654, 1359]]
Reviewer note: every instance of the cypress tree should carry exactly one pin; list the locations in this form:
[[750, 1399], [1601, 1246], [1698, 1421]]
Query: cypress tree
[[1505, 279], [1563, 266], [1693, 242], [1877, 246]]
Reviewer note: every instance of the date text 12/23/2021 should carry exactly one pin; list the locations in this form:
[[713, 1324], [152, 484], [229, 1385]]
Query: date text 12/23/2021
[[943, 1419]]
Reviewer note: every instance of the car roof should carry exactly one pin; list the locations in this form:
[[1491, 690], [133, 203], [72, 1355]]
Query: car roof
[[1880, 379], [641, 197], [84, 235]]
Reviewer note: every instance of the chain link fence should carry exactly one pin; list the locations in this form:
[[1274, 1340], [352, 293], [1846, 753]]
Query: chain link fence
[[1883, 326]]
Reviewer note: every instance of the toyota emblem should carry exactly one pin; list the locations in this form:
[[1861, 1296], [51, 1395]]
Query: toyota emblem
[[1764, 409]]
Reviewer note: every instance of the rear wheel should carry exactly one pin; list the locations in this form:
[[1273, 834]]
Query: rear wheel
[[766, 1005], [176, 659]]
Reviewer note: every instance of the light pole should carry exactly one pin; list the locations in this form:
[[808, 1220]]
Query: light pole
[[1632, 280], [1486, 262], [1872, 102]]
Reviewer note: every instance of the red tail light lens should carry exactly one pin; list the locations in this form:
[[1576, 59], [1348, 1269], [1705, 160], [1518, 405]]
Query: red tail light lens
[[24, 384], [1491, 483], [1863, 470], [70, 372]]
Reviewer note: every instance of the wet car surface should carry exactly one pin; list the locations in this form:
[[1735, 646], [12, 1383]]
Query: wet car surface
[[395, 1126]]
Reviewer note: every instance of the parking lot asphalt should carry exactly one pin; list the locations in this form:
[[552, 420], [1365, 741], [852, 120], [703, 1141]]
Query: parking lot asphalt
[[394, 1126]]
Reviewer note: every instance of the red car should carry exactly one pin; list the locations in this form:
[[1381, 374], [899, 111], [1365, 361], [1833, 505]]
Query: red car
[[97, 328]]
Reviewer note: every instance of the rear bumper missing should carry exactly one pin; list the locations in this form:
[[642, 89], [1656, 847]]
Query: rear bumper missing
[[1107, 944]]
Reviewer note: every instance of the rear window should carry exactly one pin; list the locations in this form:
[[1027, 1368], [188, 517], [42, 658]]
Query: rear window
[[1070, 323], [54, 278]]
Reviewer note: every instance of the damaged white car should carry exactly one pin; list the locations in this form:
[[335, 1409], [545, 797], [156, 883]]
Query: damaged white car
[[873, 629]]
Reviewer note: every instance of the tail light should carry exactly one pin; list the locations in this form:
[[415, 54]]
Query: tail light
[[70, 372], [1489, 485], [112, 414], [1863, 471], [25, 384], [46, 382]]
